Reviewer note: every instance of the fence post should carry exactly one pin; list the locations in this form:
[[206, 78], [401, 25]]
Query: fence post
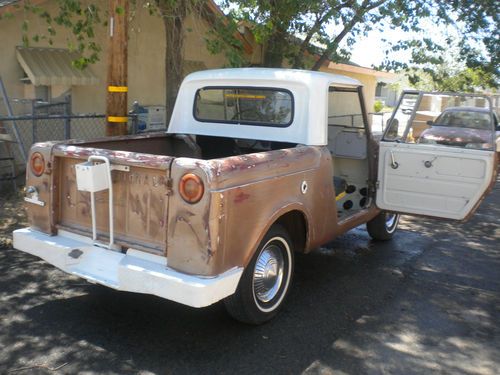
[[67, 119], [33, 121], [15, 130]]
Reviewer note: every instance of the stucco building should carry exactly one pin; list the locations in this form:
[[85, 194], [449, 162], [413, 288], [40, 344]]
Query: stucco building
[[43, 71]]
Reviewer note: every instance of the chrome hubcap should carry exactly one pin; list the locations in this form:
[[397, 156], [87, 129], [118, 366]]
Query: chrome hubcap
[[268, 273]]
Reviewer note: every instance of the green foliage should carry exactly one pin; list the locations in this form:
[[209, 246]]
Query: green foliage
[[291, 30], [80, 17], [220, 40], [443, 78], [378, 106]]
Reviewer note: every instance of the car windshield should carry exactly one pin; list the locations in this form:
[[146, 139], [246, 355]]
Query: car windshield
[[465, 119]]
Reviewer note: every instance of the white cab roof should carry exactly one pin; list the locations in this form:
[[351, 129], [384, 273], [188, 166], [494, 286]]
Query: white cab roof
[[288, 75], [309, 89]]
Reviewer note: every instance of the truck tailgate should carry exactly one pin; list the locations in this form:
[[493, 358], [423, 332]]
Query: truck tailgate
[[140, 198]]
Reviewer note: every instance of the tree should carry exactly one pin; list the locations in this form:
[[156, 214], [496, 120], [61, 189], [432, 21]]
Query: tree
[[173, 13], [305, 34], [442, 78]]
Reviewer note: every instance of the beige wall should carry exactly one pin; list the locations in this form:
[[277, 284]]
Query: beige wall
[[146, 58], [10, 37]]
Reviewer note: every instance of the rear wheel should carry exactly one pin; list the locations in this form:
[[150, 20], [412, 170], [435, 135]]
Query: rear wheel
[[383, 226], [266, 280]]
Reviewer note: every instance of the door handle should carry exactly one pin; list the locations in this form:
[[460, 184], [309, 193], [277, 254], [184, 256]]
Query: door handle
[[394, 163]]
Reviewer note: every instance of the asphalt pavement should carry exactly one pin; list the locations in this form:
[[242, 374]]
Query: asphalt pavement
[[426, 302]]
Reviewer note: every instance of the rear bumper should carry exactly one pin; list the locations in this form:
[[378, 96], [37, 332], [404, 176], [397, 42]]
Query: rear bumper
[[134, 271]]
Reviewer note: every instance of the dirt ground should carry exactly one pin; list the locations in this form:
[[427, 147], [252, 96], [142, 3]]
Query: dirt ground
[[12, 216]]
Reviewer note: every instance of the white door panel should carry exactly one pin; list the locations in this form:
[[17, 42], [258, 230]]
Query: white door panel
[[449, 185]]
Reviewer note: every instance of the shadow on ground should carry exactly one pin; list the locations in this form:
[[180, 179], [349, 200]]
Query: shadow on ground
[[428, 301]]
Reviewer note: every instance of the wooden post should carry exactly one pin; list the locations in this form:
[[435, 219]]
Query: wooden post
[[116, 104]]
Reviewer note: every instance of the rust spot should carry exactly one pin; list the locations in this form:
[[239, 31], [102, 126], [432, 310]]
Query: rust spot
[[241, 197]]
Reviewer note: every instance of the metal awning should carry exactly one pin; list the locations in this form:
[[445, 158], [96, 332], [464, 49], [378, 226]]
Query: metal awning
[[52, 66]]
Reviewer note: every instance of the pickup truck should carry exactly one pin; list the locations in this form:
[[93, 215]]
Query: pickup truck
[[257, 164]]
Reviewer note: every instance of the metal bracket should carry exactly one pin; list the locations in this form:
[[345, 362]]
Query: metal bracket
[[117, 167], [34, 201]]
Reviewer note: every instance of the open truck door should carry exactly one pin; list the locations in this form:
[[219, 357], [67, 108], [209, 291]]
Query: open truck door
[[437, 155]]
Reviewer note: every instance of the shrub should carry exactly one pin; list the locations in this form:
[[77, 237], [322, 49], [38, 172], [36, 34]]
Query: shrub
[[377, 107]]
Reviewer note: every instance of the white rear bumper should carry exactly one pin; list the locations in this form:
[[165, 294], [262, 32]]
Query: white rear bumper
[[134, 271]]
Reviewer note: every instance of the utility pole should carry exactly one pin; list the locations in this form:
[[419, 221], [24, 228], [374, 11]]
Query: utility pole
[[116, 103]]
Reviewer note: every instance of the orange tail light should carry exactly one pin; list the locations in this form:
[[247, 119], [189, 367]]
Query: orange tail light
[[191, 188], [37, 164]]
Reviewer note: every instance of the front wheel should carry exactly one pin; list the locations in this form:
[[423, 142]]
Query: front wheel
[[266, 280], [383, 226]]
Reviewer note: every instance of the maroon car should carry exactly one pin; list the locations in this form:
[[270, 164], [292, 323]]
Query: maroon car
[[468, 127]]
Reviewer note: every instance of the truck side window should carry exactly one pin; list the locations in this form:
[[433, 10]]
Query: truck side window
[[344, 108]]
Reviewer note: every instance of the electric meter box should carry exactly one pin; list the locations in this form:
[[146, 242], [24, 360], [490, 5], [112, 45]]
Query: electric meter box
[[152, 118]]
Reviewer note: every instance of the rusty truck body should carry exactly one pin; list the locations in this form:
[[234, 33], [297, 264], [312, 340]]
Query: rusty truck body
[[257, 164]]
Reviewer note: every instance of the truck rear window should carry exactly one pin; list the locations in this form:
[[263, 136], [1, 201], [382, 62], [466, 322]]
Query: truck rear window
[[244, 105]]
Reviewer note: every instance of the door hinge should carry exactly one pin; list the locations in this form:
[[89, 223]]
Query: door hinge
[[377, 185]]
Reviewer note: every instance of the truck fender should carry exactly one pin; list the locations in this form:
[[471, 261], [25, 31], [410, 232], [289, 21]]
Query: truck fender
[[301, 244]]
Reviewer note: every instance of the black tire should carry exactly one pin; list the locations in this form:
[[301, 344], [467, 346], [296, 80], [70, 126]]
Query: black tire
[[383, 226], [249, 305]]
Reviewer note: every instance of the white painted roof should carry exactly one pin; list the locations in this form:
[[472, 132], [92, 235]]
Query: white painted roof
[[275, 74], [310, 95]]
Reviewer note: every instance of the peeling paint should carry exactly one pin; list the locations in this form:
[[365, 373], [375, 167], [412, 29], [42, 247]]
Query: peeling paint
[[241, 197]]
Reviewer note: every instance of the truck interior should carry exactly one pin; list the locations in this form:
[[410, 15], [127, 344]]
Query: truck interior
[[348, 144]]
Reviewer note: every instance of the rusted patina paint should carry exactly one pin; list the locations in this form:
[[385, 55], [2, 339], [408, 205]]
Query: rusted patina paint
[[43, 218], [115, 157], [213, 235], [241, 197], [140, 206], [245, 195]]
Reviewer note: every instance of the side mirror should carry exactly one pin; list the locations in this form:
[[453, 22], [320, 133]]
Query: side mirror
[[430, 122]]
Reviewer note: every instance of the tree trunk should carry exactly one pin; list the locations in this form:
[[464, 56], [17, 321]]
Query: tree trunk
[[174, 32], [173, 14]]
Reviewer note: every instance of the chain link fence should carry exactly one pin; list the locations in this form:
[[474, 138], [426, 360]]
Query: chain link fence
[[41, 128], [36, 121]]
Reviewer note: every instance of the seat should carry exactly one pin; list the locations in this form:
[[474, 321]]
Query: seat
[[6, 140]]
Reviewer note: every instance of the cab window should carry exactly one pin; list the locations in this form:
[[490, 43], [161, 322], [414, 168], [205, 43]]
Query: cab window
[[244, 105]]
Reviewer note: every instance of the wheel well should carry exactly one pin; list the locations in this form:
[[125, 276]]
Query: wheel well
[[296, 225]]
